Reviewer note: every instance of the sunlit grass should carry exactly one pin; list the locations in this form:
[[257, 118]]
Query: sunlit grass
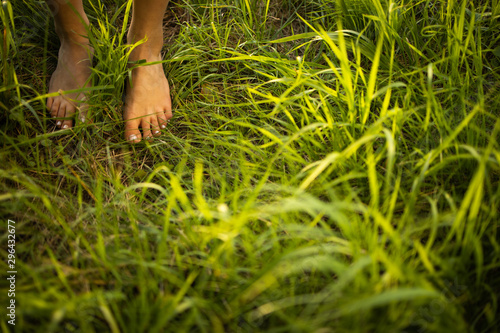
[[332, 166]]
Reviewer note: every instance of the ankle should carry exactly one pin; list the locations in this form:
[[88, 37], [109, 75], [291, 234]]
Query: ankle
[[144, 53], [74, 32], [73, 38], [150, 49], [78, 49]]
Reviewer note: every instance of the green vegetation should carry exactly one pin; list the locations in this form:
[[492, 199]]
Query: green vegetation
[[332, 166]]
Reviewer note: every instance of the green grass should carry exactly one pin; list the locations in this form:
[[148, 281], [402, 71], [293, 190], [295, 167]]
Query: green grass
[[332, 166]]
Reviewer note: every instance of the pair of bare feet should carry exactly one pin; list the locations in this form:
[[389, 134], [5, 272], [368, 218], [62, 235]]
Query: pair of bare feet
[[147, 107]]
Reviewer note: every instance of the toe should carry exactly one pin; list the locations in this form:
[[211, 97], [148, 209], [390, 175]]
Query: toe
[[67, 123], [50, 101], [66, 111], [163, 118], [146, 128], [132, 133], [68, 114], [168, 108], [54, 109], [61, 113], [155, 128], [82, 115]]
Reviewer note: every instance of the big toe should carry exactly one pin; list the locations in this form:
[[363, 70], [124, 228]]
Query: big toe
[[132, 133], [67, 111], [83, 113], [67, 124]]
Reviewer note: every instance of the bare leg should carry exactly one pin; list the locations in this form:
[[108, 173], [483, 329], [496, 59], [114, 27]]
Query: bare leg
[[73, 62], [147, 103]]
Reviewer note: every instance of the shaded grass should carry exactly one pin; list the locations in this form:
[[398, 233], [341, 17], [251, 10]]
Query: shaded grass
[[332, 166]]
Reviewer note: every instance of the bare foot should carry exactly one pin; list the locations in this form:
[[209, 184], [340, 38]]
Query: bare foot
[[147, 103], [72, 72]]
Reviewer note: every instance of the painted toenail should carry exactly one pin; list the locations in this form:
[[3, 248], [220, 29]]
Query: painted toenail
[[157, 132], [133, 137], [82, 120], [58, 123], [65, 126], [163, 126]]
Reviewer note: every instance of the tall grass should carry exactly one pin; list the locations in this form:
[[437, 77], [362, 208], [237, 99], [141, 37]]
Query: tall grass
[[332, 166]]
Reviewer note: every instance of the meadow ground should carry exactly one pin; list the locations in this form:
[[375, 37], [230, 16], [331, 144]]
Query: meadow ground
[[331, 166]]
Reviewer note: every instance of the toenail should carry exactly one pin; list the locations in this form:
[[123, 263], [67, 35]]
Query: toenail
[[65, 126], [82, 120], [163, 126], [157, 132], [133, 137], [58, 123]]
